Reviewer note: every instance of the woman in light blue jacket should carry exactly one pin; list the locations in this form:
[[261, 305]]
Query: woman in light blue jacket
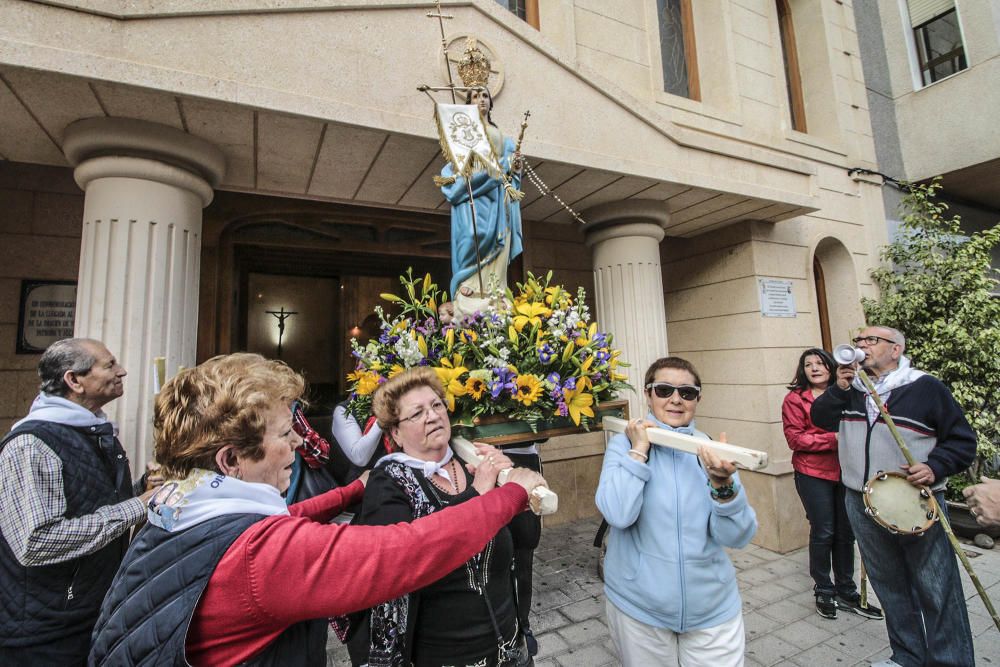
[[671, 590]]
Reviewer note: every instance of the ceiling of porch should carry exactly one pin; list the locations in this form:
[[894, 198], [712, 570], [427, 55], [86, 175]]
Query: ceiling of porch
[[291, 156]]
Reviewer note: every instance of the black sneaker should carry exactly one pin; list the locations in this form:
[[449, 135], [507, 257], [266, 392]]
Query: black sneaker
[[530, 642], [853, 605], [826, 606]]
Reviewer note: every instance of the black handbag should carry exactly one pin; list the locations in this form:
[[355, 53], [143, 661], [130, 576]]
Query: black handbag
[[507, 656]]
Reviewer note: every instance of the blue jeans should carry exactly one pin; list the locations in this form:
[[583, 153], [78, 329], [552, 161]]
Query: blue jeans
[[830, 537], [916, 579]]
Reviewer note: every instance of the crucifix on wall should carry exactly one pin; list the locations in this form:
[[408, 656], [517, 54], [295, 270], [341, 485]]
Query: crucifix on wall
[[281, 316]]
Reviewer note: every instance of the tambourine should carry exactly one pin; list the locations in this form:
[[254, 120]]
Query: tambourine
[[898, 506]]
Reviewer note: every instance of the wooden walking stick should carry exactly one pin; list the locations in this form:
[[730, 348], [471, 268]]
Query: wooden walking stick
[[945, 524], [864, 583]]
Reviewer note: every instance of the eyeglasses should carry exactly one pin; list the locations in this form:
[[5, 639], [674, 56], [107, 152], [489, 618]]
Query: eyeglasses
[[871, 340], [423, 414], [688, 392]]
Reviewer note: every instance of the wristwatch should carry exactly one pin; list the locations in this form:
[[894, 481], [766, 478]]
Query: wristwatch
[[723, 492]]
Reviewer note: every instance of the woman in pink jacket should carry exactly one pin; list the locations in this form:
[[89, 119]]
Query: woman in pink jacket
[[817, 480]]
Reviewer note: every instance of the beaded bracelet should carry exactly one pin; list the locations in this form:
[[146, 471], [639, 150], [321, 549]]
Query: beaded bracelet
[[645, 457]]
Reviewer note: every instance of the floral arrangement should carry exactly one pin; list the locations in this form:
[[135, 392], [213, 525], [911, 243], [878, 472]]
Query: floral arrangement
[[535, 357]]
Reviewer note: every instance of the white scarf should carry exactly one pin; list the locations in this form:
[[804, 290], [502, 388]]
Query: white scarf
[[204, 494], [59, 410], [429, 468], [902, 375]]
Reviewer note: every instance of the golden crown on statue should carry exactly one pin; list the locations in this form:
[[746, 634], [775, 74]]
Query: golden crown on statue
[[474, 67]]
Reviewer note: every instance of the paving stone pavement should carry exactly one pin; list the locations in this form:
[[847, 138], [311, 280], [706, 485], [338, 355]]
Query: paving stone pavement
[[782, 625]]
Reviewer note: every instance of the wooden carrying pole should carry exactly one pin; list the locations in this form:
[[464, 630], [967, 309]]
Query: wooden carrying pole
[[542, 499], [751, 459], [945, 524]]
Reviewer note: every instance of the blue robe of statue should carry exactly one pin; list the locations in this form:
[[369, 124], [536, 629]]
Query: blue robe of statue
[[496, 218]]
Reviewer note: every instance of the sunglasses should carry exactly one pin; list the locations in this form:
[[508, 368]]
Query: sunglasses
[[664, 390]]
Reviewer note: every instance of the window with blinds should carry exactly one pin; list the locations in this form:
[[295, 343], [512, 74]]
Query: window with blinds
[[938, 38]]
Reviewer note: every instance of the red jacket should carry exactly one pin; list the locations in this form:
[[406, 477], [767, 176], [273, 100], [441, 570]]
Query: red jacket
[[286, 569], [814, 451]]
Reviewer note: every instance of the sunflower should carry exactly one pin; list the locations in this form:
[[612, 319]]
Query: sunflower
[[475, 387], [528, 388]]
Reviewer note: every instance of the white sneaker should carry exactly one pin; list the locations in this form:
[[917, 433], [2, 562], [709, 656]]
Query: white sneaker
[[885, 663]]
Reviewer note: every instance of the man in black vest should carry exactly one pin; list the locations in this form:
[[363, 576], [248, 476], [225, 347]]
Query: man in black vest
[[68, 503]]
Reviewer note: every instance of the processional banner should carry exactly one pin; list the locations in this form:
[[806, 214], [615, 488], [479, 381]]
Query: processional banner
[[464, 140]]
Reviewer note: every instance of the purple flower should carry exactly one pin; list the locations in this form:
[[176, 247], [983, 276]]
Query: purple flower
[[545, 353], [600, 339], [570, 383], [496, 386], [554, 378], [602, 356], [503, 379]]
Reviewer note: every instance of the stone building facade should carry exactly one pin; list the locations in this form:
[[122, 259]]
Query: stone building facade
[[182, 160]]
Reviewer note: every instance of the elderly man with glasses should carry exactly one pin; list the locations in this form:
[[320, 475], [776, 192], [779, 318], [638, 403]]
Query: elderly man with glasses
[[914, 576], [68, 503]]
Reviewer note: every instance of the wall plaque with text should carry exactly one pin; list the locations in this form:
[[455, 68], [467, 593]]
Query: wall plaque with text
[[776, 298], [47, 312]]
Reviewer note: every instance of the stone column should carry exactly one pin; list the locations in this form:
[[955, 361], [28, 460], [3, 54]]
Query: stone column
[[625, 238], [146, 185]]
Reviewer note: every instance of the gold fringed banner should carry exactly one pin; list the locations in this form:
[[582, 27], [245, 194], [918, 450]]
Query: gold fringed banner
[[441, 181], [464, 141]]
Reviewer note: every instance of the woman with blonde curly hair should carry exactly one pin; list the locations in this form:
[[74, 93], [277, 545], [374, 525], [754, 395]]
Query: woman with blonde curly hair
[[469, 617], [224, 572]]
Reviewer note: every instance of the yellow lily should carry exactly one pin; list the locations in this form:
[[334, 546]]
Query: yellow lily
[[367, 382], [578, 402], [422, 345], [588, 335], [530, 313], [449, 339], [453, 386]]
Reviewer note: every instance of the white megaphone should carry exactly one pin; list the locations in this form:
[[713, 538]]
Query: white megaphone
[[848, 355]]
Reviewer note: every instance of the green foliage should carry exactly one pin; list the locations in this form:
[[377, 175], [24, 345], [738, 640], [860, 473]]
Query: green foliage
[[936, 287]]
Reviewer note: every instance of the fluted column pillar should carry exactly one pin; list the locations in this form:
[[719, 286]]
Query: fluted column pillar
[[146, 185], [628, 282]]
